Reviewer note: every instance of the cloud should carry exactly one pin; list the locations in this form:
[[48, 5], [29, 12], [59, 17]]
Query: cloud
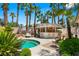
[[70, 5]]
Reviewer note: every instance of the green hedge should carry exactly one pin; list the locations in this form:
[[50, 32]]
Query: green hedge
[[69, 47], [25, 52]]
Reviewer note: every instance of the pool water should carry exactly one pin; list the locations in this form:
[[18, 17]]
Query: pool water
[[29, 43]]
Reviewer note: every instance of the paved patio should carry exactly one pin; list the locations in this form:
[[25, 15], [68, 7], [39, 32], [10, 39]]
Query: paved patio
[[36, 50]]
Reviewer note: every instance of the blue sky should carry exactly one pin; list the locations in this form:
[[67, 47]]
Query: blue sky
[[22, 19]]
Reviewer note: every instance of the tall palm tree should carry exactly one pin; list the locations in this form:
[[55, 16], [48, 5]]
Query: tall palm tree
[[63, 5], [25, 7], [68, 14], [44, 19], [58, 9], [36, 11], [48, 15], [53, 9], [40, 17], [5, 9], [12, 15], [76, 8], [18, 7], [29, 16], [30, 12]]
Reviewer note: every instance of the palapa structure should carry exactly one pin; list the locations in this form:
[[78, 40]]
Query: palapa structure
[[47, 30]]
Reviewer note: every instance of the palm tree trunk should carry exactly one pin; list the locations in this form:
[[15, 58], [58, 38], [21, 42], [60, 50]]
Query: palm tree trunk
[[58, 19], [77, 15], [47, 20], [63, 20], [69, 29], [52, 17], [12, 20], [54, 20], [35, 25], [58, 16], [30, 15], [41, 19], [17, 13], [26, 20], [29, 20], [76, 30], [5, 14]]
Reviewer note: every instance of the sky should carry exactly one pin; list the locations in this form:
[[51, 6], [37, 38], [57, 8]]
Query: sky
[[22, 19]]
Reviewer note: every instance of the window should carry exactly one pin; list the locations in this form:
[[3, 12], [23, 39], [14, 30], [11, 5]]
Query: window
[[49, 29], [42, 30]]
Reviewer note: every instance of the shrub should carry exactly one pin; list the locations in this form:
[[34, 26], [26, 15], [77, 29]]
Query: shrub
[[12, 24], [2, 29], [9, 29], [69, 46], [8, 44], [9, 52], [25, 52]]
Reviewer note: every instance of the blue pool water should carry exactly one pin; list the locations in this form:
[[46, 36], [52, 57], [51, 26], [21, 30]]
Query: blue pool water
[[29, 43]]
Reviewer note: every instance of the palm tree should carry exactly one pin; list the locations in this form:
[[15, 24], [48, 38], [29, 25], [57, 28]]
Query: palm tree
[[76, 8], [63, 5], [12, 15], [36, 11], [53, 8], [44, 19], [18, 7], [58, 9], [40, 17], [5, 9], [68, 14], [48, 15], [30, 12], [25, 7]]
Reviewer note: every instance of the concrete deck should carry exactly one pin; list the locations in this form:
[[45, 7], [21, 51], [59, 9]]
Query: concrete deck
[[35, 50]]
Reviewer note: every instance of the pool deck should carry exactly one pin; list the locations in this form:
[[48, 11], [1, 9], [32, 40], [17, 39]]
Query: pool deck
[[35, 50]]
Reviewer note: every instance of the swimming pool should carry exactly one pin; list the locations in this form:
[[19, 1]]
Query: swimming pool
[[29, 43]]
